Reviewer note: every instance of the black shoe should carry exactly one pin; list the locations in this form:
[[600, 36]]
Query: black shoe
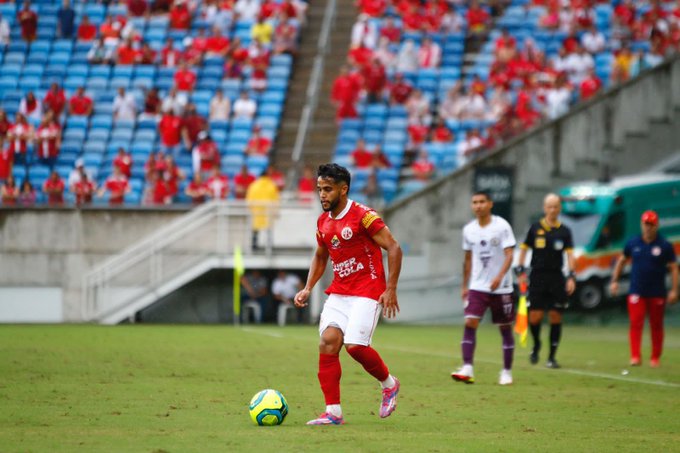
[[552, 363], [533, 357]]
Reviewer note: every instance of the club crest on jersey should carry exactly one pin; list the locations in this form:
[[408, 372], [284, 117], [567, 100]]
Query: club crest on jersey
[[346, 233], [495, 242], [335, 241], [656, 250]]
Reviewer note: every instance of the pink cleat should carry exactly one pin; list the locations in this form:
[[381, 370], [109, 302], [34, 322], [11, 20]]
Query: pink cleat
[[327, 419], [389, 400]]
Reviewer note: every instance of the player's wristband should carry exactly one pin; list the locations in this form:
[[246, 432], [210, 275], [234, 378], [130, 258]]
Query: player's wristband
[[519, 270], [572, 274]]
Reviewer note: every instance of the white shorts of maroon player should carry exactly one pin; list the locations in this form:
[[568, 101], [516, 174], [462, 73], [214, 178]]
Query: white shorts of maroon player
[[355, 316]]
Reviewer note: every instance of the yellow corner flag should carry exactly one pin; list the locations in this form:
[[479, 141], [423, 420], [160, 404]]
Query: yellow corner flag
[[238, 272], [521, 323]]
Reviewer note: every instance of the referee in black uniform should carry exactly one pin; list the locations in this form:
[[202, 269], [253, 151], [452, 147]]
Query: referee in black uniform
[[548, 289]]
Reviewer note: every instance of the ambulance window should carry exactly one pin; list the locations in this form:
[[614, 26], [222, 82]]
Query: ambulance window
[[613, 230]]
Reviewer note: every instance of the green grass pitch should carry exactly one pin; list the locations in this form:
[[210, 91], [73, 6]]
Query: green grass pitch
[[187, 388]]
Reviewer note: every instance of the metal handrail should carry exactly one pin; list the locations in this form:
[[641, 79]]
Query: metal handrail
[[313, 88]]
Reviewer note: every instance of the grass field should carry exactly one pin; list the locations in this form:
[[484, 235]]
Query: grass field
[[186, 389]]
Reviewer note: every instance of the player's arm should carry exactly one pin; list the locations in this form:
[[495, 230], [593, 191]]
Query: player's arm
[[673, 293], [388, 299], [616, 274], [571, 277], [467, 267], [316, 270], [496, 282]]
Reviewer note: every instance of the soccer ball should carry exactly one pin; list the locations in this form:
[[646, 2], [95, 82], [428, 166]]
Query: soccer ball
[[268, 408]]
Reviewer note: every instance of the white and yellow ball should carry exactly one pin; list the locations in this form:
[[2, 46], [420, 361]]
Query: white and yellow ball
[[268, 408]]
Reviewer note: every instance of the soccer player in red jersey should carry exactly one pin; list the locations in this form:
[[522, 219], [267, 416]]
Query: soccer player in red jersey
[[352, 235]]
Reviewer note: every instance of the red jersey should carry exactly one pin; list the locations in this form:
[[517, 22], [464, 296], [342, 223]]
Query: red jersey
[[170, 130], [124, 164], [259, 145], [80, 105], [47, 141], [87, 32], [196, 187], [19, 143], [180, 18], [218, 186], [363, 158], [209, 155], [185, 80], [54, 190], [6, 160], [241, 183], [55, 101], [84, 191], [355, 256], [170, 57], [117, 187]]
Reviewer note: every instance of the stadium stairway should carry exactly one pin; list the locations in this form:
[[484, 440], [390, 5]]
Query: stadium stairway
[[322, 134]]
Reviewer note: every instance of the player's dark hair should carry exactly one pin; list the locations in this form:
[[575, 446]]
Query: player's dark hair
[[484, 193], [336, 172]]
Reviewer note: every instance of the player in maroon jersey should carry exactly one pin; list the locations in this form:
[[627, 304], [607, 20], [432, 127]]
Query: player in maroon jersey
[[352, 235]]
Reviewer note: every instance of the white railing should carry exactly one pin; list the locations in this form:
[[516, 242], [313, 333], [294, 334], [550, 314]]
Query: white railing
[[207, 234], [313, 88]]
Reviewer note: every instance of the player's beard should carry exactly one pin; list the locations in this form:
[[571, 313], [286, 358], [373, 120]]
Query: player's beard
[[331, 205]]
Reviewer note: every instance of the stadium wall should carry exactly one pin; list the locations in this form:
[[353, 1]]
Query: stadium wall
[[53, 248], [624, 130]]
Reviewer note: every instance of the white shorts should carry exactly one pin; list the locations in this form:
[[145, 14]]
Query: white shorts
[[355, 316]]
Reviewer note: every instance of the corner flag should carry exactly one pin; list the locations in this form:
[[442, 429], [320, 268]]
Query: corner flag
[[238, 272], [521, 323]]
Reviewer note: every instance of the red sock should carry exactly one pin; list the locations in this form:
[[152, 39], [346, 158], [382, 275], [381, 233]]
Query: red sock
[[329, 377], [370, 360], [657, 306], [636, 314]]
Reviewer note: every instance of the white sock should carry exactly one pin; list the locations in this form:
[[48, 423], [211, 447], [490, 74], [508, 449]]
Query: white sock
[[334, 409], [388, 383]]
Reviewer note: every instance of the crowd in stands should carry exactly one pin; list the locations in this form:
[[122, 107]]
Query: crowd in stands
[[409, 109], [138, 101]]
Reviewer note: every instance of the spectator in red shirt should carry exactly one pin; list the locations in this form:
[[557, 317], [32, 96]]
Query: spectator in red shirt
[[400, 90], [196, 189], [375, 80], [361, 157], [146, 55], [345, 88], [390, 31], [170, 56], [54, 189], [590, 86], [374, 8], [55, 100], [258, 145], [48, 140], [87, 31], [360, 56], [307, 185], [285, 37], [477, 18], [152, 105], [18, 137], [205, 155], [217, 45], [170, 130], [423, 168], [27, 194], [185, 78], [180, 16], [241, 182], [192, 124], [28, 20], [441, 133], [417, 132], [346, 110], [137, 8], [9, 193], [110, 31], [6, 162], [173, 175], [157, 190], [126, 53], [268, 8], [155, 162], [117, 185], [123, 161], [218, 184], [84, 189], [80, 104]]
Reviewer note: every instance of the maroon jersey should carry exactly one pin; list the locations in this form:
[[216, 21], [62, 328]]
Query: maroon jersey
[[356, 257]]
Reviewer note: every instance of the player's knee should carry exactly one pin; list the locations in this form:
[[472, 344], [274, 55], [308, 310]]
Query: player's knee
[[355, 350], [535, 316], [472, 323], [331, 341], [555, 317]]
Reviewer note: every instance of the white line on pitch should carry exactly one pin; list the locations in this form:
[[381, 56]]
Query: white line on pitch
[[493, 362]]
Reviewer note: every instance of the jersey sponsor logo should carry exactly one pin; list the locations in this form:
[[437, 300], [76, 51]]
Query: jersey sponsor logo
[[540, 232], [558, 245], [369, 218], [346, 233], [347, 267], [656, 250], [540, 243], [335, 242]]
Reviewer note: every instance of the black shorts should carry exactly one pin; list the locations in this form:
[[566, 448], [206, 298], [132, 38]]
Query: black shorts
[[547, 291]]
